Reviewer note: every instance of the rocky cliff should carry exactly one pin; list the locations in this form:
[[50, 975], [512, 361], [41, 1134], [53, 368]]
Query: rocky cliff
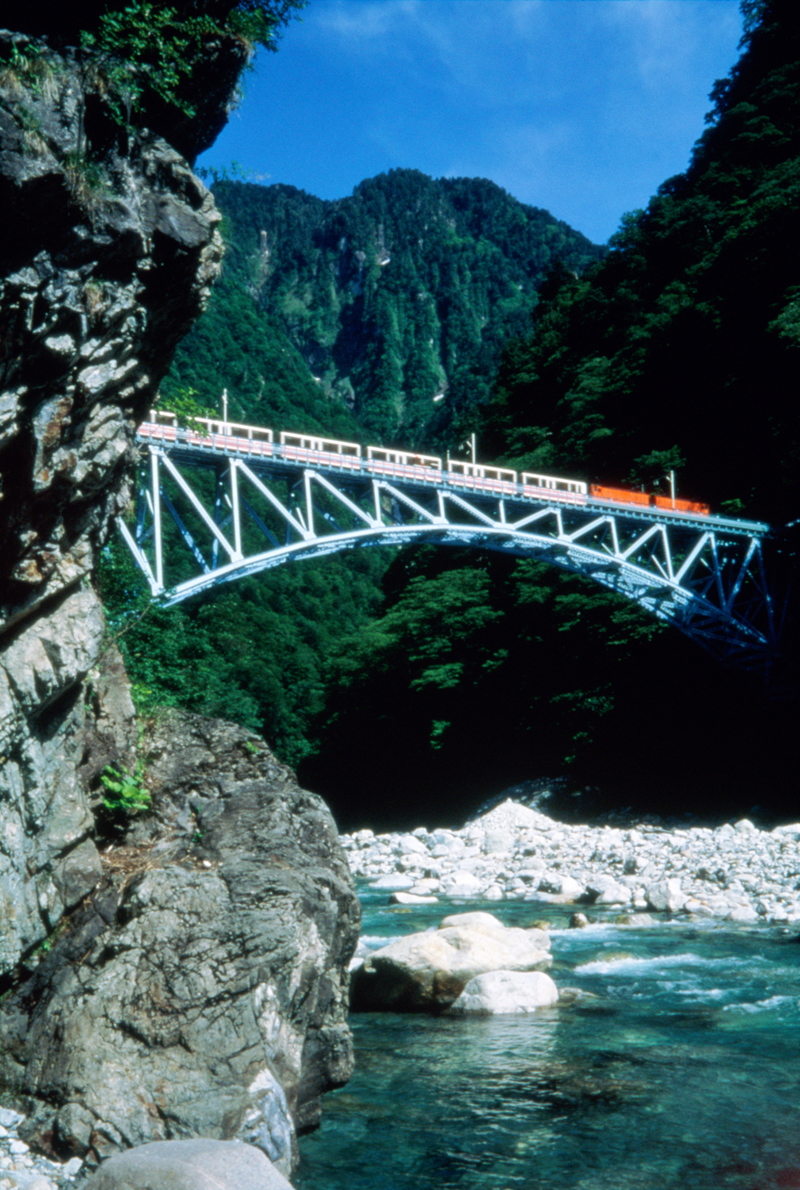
[[201, 989], [107, 255], [108, 248]]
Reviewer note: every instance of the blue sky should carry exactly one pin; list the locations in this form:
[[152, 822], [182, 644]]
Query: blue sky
[[582, 107]]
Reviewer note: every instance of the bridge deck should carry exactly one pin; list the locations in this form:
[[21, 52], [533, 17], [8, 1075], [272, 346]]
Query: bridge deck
[[196, 449]]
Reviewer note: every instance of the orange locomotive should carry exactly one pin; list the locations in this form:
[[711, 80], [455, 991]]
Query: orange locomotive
[[622, 496]]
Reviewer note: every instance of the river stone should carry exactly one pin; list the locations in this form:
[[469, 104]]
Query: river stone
[[478, 919], [189, 1165], [743, 913], [393, 883], [426, 972], [505, 992], [496, 841], [605, 890], [665, 895], [406, 843], [565, 887], [410, 898], [461, 882]]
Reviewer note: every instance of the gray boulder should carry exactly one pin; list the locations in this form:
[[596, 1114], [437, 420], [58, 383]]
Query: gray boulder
[[665, 895], [189, 1165]]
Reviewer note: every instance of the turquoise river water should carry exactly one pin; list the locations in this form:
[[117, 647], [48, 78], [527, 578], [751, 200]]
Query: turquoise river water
[[680, 1072]]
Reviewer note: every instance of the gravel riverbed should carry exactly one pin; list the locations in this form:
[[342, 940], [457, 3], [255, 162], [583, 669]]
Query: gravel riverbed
[[20, 1169], [736, 872]]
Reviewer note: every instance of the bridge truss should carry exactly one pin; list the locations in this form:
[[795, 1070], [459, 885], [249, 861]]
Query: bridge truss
[[214, 508]]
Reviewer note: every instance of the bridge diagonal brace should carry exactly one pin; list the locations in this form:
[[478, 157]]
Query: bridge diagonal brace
[[736, 585], [189, 540], [198, 507], [142, 561], [143, 530], [717, 570], [589, 528], [635, 546], [291, 520], [348, 503], [259, 523], [755, 570], [412, 504], [155, 457], [517, 526], [476, 512], [665, 541], [689, 562]]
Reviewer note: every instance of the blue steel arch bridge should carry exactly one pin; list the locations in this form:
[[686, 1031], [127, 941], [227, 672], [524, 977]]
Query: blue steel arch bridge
[[239, 502]]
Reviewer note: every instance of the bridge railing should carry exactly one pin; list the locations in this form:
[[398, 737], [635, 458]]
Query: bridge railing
[[215, 435]]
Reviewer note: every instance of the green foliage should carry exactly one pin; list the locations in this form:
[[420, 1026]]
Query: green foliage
[[184, 404], [85, 177], [252, 653], [259, 22], [478, 672], [25, 65], [652, 471], [147, 50], [125, 794]]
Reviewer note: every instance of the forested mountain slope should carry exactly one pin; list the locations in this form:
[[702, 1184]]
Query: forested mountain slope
[[681, 347], [403, 292]]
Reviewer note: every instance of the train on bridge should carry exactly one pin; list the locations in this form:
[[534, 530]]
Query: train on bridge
[[164, 426]]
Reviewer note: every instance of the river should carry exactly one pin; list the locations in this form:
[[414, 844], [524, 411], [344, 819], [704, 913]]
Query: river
[[680, 1070]]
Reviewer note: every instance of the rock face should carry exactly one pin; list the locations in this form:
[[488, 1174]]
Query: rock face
[[190, 980], [108, 247], [202, 989]]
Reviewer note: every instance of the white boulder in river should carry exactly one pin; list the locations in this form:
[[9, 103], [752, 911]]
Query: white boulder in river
[[427, 972], [505, 992]]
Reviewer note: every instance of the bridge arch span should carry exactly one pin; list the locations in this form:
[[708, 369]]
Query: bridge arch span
[[704, 575]]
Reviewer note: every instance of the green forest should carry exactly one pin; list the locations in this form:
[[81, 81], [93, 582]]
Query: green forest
[[350, 317], [407, 686]]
